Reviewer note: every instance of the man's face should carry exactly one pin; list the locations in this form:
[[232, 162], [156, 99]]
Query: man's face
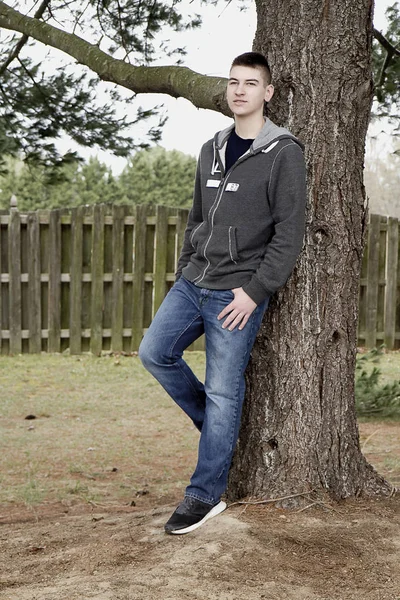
[[247, 90]]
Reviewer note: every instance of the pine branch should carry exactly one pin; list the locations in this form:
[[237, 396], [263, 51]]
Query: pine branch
[[391, 50], [385, 65], [203, 91], [18, 47]]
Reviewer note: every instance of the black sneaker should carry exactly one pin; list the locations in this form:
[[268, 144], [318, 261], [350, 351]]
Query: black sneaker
[[191, 514]]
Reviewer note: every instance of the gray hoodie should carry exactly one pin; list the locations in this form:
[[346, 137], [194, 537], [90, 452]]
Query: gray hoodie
[[246, 225]]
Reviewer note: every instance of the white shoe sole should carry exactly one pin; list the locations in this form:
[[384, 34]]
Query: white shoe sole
[[216, 510]]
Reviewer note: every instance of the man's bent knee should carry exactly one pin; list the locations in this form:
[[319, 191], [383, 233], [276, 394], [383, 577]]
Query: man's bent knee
[[152, 354], [146, 354]]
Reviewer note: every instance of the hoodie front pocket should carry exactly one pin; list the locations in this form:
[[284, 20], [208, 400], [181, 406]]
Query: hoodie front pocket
[[194, 239], [220, 249]]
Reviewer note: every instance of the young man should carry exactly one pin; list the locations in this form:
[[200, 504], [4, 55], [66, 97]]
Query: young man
[[244, 233]]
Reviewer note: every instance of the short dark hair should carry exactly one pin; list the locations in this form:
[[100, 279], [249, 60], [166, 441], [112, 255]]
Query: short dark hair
[[254, 60]]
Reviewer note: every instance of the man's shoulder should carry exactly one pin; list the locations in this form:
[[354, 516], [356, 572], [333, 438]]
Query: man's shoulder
[[272, 136], [208, 144], [284, 147]]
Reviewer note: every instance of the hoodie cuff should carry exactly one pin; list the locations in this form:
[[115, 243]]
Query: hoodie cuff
[[256, 291]]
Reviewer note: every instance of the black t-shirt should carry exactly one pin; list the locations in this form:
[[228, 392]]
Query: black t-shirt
[[235, 147]]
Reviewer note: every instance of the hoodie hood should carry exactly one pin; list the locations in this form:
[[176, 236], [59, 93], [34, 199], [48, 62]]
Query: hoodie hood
[[268, 134]]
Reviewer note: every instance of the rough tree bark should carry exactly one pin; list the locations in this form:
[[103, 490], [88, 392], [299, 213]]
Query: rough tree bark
[[299, 429]]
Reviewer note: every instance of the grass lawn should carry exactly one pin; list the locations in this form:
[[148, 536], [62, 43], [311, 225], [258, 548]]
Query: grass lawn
[[105, 432]]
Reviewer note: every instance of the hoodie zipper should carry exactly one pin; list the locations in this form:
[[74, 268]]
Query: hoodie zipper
[[217, 200]]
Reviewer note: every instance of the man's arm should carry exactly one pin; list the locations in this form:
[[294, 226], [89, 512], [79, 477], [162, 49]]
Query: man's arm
[[195, 217], [287, 198]]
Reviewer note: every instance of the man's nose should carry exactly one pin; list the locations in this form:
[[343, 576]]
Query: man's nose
[[240, 90]]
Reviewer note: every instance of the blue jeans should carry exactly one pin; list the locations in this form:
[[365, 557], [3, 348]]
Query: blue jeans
[[215, 407]]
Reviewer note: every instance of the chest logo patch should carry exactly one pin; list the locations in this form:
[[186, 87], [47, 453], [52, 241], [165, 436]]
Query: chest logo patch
[[214, 183], [232, 187]]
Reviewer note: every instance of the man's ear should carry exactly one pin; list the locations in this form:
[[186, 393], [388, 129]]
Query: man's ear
[[269, 92]]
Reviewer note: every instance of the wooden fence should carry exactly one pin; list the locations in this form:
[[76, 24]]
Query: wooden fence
[[379, 305], [87, 279], [91, 278]]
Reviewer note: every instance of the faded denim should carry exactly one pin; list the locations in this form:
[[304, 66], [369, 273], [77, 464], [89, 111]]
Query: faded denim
[[215, 407]]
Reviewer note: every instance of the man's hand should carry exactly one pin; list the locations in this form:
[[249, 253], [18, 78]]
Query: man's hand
[[239, 310]]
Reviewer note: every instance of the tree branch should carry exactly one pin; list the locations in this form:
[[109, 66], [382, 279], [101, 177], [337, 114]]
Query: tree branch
[[385, 43], [203, 91], [382, 75], [18, 47]]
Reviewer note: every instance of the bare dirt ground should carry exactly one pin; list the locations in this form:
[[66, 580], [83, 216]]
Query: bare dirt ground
[[86, 487], [348, 551]]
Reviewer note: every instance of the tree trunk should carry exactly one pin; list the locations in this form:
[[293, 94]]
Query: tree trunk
[[299, 429]]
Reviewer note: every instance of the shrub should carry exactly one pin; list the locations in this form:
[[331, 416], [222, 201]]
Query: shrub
[[372, 398]]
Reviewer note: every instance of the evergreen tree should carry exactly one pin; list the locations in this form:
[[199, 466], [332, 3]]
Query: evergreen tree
[[158, 176], [73, 184], [37, 107], [386, 66]]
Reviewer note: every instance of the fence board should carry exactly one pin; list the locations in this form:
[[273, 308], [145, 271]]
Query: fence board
[[373, 281], [1, 290], [75, 318], [54, 306], [160, 257], [34, 296], [14, 268], [139, 264], [117, 308], [97, 292], [391, 282], [180, 232]]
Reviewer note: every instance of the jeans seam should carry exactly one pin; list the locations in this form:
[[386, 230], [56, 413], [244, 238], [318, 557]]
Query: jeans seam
[[196, 497], [237, 385], [171, 350]]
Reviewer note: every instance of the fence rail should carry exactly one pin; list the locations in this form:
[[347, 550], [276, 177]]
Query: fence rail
[[91, 278]]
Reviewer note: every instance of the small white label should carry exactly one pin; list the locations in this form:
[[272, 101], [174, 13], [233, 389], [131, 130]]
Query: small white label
[[213, 183], [232, 187]]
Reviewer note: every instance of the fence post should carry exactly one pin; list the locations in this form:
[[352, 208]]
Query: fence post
[[139, 263], [391, 282], [75, 290], [34, 284], [160, 257], [14, 270], [54, 318], [117, 308], [1, 292], [373, 280], [97, 292]]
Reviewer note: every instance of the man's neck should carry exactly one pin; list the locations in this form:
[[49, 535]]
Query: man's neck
[[249, 127]]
